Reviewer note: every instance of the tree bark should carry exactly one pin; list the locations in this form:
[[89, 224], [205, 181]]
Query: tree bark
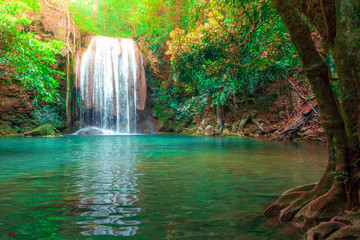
[[333, 190], [220, 115], [68, 67], [347, 62]]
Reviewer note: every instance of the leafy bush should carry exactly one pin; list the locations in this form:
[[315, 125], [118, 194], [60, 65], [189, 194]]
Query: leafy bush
[[48, 115], [33, 61], [231, 51], [188, 109]]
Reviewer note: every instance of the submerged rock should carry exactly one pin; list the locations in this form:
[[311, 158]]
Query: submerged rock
[[46, 130]]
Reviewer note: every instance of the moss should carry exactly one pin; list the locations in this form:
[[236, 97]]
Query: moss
[[46, 130], [6, 130]]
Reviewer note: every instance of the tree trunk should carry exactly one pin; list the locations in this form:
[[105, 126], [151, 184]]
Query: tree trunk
[[332, 192], [346, 56], [68, 67], [220, 115]]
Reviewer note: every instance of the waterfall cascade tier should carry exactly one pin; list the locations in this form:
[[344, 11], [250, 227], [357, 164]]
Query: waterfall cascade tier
[[111, 84]]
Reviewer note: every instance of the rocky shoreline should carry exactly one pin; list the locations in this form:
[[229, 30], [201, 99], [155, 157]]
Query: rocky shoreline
[[252, 124]]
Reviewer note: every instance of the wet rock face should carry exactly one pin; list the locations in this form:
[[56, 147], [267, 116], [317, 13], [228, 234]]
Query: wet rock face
[[113, 101], [51, 23], [15, 103], [15, 109]]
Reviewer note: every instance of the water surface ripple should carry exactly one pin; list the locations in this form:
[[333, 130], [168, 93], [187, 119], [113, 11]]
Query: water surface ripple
[[149, 186]]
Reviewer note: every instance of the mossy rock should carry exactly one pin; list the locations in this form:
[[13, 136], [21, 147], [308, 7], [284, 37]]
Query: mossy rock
[[46, 130], [61, 125]]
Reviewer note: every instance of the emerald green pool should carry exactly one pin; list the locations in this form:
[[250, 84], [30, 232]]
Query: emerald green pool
[[149, 186]]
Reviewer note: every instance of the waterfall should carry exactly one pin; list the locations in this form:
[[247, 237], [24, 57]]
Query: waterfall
[[111, 85]]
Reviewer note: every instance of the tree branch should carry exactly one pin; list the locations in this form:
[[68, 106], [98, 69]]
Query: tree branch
[[51, 6]]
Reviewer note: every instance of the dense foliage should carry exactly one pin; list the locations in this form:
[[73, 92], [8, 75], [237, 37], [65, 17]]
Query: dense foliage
[[153, 19], [31, 61], [220, 52], [233, 52]]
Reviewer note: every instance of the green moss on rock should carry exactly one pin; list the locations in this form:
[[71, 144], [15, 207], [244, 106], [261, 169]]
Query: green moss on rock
[[46, 130]]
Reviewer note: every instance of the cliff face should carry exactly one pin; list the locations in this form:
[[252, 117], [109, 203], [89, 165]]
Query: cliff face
[[15, 109], [126, 88], [48, 24]]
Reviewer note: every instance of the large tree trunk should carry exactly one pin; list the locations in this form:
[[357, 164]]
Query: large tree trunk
[[346, 56], [220, 115], [68, 66], [336, 189]]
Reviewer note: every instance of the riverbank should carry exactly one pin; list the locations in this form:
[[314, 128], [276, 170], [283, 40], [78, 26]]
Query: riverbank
[[303, 126]]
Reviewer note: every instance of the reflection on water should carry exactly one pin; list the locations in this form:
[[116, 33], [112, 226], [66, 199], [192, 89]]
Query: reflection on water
[[149, 187], [109, 192]]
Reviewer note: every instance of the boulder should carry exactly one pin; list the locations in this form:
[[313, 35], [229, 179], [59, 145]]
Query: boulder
[[245, 116], [46, 130], [200, 131], [242, 123], [209, 130], [304, 129], [226, 131], [61, 125], [253, 113], [320, 132], [203, 123], [236, 124], [250, 130], [234, 129], [253, 129], [308, 132]]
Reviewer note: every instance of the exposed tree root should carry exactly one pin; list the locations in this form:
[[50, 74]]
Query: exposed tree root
[[323, 208], [339, 227], [346, 233], [286, 199], [306, 187], [323, 230], [283, 202], [308, 205]]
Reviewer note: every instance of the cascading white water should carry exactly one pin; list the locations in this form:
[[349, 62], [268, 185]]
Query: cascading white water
[[108, 84]]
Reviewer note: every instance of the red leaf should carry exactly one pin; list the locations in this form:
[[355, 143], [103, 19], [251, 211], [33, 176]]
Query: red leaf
[[12, 234]]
